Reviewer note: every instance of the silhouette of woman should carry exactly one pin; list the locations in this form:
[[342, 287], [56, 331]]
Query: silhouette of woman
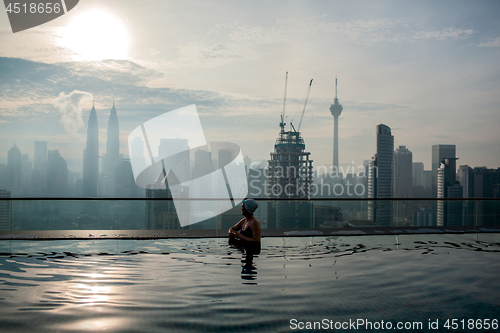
[[248, 239]]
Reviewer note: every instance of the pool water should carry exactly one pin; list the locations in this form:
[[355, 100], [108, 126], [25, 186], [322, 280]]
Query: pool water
[[186, 285]]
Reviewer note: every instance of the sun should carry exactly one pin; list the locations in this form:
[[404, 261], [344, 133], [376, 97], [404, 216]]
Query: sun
[[96, 35]]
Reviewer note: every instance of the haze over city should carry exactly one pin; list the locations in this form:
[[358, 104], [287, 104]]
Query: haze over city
[[249, 165], [428, 70]]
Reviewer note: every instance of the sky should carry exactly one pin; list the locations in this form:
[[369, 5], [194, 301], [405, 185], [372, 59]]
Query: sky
[[429, 70]]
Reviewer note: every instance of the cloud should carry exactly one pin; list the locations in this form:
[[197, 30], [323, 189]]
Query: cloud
[[359, 31], [362, 107], [233, 42], [449, 33], [493, 43], [113, 70], [70, 107], [26, 87], [137, 103], [213, 54]]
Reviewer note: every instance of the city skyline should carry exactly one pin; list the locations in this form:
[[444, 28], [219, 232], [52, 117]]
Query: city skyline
[[150, 151], [389, 176], [439, 152], [124, 150], [417, 73]]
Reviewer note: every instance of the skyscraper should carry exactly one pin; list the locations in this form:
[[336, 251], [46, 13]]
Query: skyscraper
[[40, 155], [39, 171], [5, 211], [290, 177], [202, 166], [57, 174], [403, 180], [91, 157], [25, 175], [449, 213], [3, 176], [336, 110], [137, 150], [421, 181], [112, 158], [163, 214], [403, 185], [381, 177], [428, 180], [480, 182], [14, 170], [439, 153], [125, 186], [424, 217], [290, 170], [178, 160], [417, 171]]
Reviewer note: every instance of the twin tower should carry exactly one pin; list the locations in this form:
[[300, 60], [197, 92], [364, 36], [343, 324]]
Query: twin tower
[[91, 153], [112, 157]]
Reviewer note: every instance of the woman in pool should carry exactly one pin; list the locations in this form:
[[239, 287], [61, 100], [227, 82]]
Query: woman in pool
[[249, 237]]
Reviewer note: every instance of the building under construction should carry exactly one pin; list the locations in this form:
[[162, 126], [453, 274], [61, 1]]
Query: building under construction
[[290, 175], [290, 169]]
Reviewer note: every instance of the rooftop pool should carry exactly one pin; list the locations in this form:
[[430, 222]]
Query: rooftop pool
[[414, 283]]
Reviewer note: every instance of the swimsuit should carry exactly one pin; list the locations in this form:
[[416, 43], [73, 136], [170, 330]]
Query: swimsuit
[[248, 230], [251, 247]]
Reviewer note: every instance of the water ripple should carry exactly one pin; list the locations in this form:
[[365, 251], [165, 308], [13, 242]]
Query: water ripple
[[186, 285]]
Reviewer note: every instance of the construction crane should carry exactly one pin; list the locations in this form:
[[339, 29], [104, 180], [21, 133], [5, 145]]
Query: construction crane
[[305, 104], [282, 123]]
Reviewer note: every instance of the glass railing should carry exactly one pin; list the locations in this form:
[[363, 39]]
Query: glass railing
[[89, 218]]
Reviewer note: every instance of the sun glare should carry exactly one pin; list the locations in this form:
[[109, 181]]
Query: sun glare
[[96, 35]]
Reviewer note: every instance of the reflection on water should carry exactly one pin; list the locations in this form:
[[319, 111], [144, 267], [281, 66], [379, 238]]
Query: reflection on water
[[197, 284]]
